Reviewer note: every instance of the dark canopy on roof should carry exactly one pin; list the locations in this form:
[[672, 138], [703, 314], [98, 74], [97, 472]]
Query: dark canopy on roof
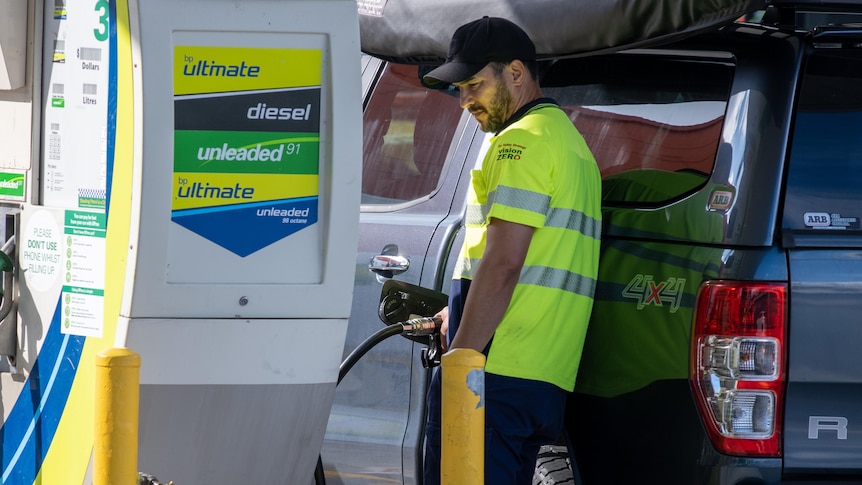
[[418, 31]]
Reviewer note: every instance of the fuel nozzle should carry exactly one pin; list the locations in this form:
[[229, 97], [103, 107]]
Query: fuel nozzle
[[420, 326], [430, 327]]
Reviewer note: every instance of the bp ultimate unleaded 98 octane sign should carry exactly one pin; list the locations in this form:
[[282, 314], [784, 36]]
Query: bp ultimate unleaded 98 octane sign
[[246, 143]]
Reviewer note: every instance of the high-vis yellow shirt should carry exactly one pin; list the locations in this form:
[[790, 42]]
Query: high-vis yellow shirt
[[539, 172]]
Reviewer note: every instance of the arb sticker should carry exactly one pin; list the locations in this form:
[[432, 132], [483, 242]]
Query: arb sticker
[[825, 220], [720, 200]]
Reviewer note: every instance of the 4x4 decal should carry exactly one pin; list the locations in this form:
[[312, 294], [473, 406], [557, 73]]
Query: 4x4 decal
[[645, 291]]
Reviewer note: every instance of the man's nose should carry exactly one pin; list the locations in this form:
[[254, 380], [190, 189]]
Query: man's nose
[[465, 98]]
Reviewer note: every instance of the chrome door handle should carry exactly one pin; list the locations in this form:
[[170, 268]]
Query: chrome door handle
[[389, 263]]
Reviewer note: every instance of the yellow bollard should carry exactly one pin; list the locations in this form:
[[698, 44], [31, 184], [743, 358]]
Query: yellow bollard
[[462, 453], [115, 450]]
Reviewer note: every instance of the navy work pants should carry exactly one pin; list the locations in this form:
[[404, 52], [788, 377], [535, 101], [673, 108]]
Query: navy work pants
[[520, 416]]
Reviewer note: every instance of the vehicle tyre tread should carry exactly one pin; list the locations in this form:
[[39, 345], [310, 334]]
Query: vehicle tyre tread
[[552, 467]]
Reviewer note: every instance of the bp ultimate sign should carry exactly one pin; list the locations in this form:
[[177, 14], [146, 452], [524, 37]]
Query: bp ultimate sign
[[246, 143]]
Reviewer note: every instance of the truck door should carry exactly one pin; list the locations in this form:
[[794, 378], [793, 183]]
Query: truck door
[[415, 144]]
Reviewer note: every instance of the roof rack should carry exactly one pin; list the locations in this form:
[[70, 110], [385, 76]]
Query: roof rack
[[837, 35], [819, 4], [810, 15]]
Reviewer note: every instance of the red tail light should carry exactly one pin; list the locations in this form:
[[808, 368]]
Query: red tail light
[[737, 365]]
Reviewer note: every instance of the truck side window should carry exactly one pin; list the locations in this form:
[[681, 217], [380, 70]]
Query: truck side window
[[653, 131], [408, 130], [825, 170]]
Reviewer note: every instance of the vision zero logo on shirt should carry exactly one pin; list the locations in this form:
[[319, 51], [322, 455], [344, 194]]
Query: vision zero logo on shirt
[[510, 151], [824, 220]]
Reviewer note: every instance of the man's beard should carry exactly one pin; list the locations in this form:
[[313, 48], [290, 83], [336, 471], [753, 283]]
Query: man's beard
[[499, 110]]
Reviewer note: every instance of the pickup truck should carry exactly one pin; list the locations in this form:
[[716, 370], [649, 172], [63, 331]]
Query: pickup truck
[[724, 343]]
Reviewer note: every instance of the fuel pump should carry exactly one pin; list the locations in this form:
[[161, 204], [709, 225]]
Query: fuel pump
[[180, 178]]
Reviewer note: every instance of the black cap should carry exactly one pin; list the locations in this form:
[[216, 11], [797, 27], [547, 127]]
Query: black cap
[[474, 45]]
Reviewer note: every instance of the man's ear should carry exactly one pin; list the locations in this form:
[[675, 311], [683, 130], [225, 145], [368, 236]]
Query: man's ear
[[518, 72]]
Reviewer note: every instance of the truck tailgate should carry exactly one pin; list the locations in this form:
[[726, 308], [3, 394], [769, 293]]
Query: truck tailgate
[[823, 415]]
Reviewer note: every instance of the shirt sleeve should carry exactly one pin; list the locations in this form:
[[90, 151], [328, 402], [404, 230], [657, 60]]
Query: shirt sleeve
[[518, 178]]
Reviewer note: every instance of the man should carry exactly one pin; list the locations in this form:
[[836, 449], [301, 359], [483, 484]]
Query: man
[[523, 286]]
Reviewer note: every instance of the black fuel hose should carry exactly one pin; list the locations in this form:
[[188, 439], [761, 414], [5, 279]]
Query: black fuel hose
[[414, 327], [365, 346]]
